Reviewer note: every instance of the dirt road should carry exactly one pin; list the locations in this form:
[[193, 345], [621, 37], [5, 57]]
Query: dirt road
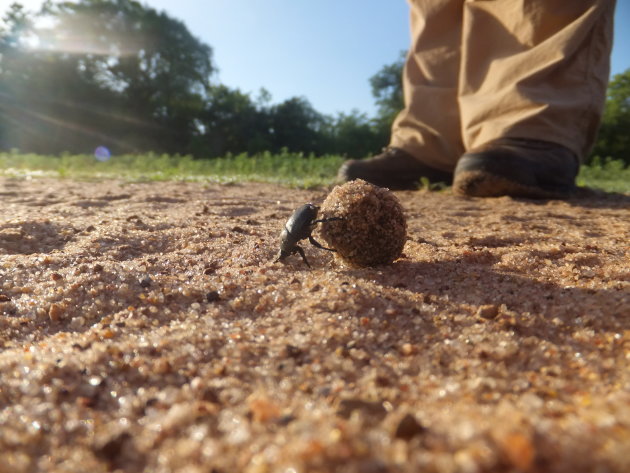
[[145, 327]]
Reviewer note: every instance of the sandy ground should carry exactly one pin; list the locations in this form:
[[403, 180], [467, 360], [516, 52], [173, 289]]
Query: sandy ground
[[145, 327]]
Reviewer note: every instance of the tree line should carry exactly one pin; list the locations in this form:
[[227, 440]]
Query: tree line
[[120, 74]]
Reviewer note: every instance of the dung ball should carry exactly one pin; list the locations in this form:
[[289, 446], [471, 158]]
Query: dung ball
[[373, 228]]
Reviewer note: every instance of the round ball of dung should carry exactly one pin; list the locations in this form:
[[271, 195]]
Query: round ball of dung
[[372, 230]]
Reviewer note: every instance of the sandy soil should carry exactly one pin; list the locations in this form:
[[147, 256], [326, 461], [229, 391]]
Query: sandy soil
[[145, 327]]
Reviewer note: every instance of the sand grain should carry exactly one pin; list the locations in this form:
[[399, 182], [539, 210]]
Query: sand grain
[[144, 327]]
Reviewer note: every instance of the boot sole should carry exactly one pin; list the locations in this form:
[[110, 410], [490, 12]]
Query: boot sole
[[485, 184]]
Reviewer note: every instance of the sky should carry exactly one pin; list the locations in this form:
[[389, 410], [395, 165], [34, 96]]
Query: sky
[[323, 50]]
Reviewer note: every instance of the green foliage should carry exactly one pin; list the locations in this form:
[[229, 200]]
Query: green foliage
[[285, 168], [100, 72], [354, 135], [296, 125], [387, 89], [121, 74], [232, 123], [614, 137], [612, 175]]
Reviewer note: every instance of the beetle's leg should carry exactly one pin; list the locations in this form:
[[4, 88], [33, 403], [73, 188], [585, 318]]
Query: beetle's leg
[[301, 252], [280, 256], [314, 242]]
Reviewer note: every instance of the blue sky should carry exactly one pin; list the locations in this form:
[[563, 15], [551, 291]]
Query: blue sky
[[324, 50]]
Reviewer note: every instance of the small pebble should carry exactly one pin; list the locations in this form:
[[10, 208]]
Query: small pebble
[[408, 427], [213, 296], [55, 313], [489, 311], [374, 409]]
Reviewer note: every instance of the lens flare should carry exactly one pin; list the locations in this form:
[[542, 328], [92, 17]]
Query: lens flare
[[102, 154]]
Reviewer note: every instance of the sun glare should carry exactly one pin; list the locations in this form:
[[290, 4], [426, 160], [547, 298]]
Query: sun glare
[[47, 35], [31, 41]]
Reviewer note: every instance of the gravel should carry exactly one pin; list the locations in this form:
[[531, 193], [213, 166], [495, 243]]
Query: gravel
[[144, 327]]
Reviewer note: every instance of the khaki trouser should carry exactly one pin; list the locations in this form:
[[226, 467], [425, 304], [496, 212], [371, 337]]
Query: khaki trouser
[[479, 70]]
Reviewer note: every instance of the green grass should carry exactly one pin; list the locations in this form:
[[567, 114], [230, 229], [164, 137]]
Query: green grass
[[290, 169], [610, 175]]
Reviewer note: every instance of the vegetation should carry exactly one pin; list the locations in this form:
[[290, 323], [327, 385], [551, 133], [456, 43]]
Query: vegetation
[[286, 168], [614, 138], [606, 174], [99, 73], [292, 169], [387, 91]]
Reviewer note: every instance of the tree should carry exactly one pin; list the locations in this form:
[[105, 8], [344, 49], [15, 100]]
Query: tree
[[296, 126], [387, 90], [353, 135], [103, 74], [234, 123], [613, 139], [123, 75], [13, 70]]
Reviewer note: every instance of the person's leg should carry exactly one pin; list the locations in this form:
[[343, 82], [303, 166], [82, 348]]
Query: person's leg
[[426, 138], [531, 93], [429, 126]]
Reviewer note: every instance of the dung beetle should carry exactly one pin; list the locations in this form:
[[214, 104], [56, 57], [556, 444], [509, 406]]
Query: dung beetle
[[300, 226]]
